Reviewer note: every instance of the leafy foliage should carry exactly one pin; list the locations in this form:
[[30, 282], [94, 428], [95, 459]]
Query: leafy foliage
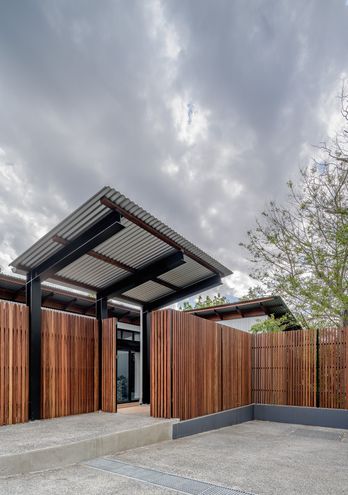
[[272, 324], [204, 303], [300, 250]]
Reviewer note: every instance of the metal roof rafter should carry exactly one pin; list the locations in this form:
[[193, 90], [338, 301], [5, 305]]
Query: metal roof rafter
[[143, 275], [113, 206], [190, 290], [84, 242]]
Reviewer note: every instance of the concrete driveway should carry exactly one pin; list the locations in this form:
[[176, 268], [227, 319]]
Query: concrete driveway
[[255, 457]]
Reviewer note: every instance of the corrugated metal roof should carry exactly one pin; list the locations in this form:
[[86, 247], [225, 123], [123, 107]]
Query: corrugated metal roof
[[148, 291], [186, 274], [144, 240], [268, 305]]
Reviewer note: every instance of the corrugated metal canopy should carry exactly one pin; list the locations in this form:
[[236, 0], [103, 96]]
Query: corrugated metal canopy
[[142, 242]]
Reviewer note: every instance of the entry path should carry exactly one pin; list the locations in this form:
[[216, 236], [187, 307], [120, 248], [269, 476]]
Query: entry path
[[257, 457], [58, 442]]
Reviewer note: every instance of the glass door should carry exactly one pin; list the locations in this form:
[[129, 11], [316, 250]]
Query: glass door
[[128, 375], [122, 376], [134, 372]]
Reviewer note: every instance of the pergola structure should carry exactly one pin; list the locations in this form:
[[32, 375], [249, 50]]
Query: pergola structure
[[113, 248]]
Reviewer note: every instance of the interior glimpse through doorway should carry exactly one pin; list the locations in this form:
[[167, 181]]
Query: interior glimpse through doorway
[[128, 371]]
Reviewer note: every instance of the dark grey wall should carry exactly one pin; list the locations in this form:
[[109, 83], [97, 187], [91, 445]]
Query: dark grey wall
[[213, 421], [311, 416]]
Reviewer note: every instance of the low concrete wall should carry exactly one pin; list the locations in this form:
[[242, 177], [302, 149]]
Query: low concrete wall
[[213, 421], [71, 453], [310, 416]]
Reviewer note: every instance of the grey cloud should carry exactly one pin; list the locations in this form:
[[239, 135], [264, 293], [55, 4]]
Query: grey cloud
[[86, 96]]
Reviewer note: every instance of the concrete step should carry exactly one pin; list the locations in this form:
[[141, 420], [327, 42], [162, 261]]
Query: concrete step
[[60, 455]]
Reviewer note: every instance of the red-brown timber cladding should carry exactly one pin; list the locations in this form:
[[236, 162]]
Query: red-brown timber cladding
[[197, 366], [284, 368], [333, 368], [14, 348], [69, 364], [236, 367], [109, 371], [160, 387]]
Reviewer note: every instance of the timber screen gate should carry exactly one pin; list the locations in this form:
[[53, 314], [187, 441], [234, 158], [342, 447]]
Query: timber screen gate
[[200, 367]]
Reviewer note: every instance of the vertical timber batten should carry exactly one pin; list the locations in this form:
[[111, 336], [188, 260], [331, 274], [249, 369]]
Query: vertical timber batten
[[33, 293], [146, 355], [101, 314]]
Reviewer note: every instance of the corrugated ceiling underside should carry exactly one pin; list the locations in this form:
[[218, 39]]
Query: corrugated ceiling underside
[[148, 291]]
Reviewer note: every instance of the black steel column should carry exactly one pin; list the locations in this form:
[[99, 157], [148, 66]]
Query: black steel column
[[33, 294], [101, 312], [146, 356]]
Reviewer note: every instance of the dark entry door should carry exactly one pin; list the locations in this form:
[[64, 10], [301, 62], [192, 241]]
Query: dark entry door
[[128, 372]]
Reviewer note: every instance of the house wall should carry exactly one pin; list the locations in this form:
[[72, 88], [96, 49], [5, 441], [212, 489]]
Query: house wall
[[244, 324]]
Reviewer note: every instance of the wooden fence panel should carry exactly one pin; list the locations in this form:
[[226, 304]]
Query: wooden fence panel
[[236, 367], [109, 371], [333, 368], [284, 368], [160, 387], [196, 358], [14, 353], [69, 364]]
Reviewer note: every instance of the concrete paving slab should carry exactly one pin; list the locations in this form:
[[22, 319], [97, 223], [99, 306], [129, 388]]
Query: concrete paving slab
[[257, 457], [15, 439], [62, 441], [76, 480]]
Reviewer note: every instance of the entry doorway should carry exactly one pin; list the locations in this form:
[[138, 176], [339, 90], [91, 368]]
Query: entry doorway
[[128, 363], [128, 374]]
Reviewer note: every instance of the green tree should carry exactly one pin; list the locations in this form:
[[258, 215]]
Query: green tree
[[217, 300], [300, 250], [272, 324]]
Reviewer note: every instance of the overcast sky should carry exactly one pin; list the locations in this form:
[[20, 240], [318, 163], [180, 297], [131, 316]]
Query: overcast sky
[[198, 110]]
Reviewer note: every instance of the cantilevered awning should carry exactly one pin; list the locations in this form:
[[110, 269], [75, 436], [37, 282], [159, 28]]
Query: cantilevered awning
[[112, 247]]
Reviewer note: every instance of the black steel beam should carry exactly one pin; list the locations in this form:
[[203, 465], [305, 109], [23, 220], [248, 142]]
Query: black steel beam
[[34, 302], [84, 242], [191, 290], [47, 296], [101, 311], [143, 275], [68, 304]]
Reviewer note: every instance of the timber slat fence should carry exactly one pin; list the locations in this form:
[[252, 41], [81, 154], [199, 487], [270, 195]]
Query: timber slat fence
[[14, 350], [69, 364], [301, 368], [199, 367], [333, 368], [284, 368], [109, 371]]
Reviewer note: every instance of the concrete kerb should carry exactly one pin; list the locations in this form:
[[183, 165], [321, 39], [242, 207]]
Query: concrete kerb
[[71, 453], [309, 416], [213, 421]]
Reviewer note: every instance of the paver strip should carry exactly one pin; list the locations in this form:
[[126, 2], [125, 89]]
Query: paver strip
[[180, 484]]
